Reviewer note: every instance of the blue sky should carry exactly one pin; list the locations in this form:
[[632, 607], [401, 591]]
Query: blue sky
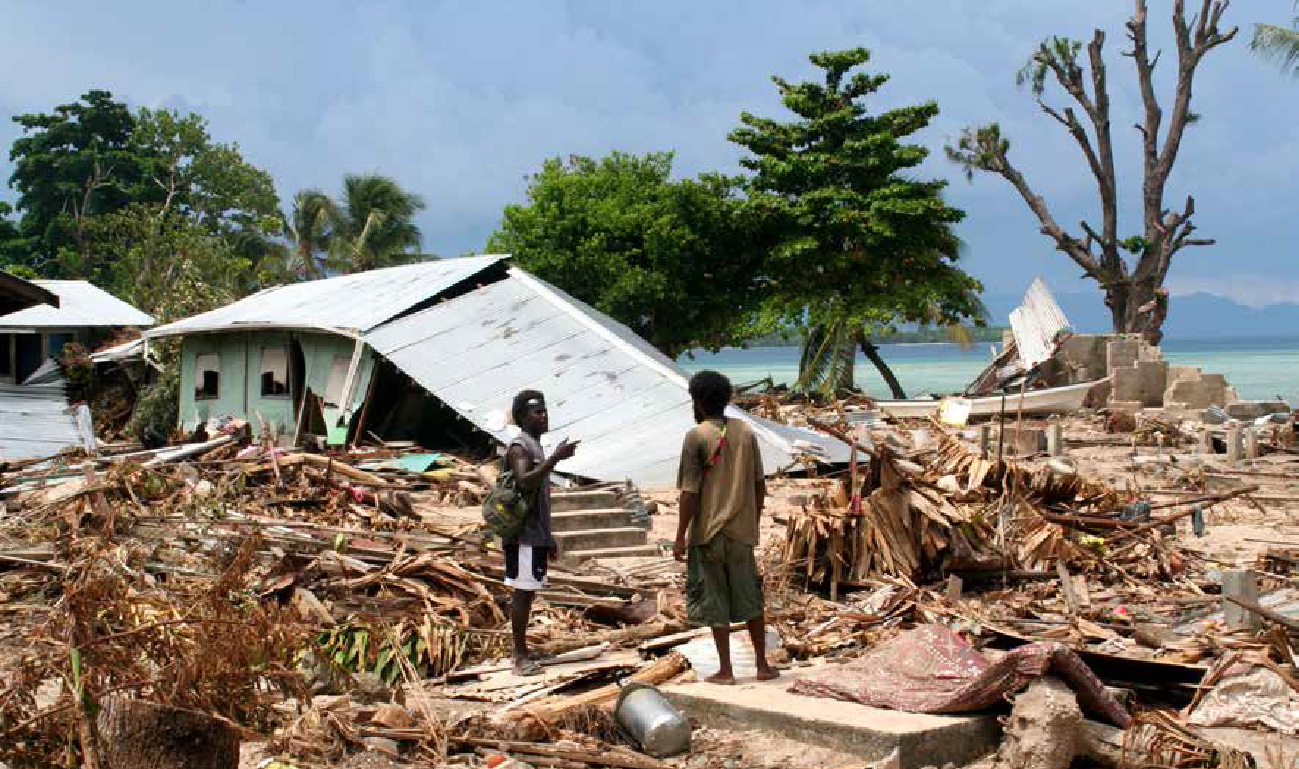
[[460, 101]]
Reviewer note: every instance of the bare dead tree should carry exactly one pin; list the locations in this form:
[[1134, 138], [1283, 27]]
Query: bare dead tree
[[1134, 287]]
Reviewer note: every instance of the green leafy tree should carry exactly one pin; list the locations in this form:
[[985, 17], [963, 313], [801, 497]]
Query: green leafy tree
[[69, 165], [1133, 286], [669, 259], [861, 245], [12, 244], [1279, 44], [167, 263], [213, 187], [373, 225]]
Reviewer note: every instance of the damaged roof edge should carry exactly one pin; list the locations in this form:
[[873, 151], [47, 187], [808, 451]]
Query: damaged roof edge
[[473, 352]]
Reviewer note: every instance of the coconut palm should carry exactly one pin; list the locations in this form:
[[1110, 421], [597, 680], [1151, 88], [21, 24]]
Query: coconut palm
[[373, 225], [1280, 44], [310, 227]]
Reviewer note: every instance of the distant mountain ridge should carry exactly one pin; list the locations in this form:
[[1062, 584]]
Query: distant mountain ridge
[[1194, 316]]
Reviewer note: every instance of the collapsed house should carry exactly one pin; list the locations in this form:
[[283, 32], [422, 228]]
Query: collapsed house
[[82, 312], [40, 317], [433, 353]]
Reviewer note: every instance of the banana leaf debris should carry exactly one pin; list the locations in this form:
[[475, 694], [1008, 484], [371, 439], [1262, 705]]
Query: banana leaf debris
[[320, 607]]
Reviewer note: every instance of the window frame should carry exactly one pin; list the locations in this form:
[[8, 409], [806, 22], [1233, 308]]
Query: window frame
[[283, 349], [200, 382]]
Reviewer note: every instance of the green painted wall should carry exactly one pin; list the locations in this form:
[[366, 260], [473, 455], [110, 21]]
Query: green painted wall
[[240, 392]]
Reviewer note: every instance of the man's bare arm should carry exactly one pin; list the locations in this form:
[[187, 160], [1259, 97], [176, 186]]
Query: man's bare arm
[[530, 480], [688, 509]]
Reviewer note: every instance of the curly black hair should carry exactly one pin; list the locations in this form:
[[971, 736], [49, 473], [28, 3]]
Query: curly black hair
[[522, 402], [712, 391]]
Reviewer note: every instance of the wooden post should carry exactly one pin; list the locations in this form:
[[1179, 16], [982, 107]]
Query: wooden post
[[985, 440], [1242, 584]]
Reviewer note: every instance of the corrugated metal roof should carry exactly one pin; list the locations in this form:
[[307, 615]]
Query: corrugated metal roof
[[81, 304], [35, 421], [118, 353], [349, 303], [605, 386], [1036, 323]]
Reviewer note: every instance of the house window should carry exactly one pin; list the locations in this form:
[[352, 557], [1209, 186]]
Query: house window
[[275, 371], [337, 379], [207, 376]]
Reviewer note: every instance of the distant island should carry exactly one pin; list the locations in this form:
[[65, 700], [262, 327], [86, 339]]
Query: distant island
[[905, 336]]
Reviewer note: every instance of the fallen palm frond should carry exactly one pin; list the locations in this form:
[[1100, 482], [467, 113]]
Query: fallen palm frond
[[906, 526]]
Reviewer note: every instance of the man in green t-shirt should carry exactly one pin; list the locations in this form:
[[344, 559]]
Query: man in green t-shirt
[[722, 490]]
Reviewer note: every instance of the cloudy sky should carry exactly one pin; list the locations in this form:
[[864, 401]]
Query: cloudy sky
[[461, 100]]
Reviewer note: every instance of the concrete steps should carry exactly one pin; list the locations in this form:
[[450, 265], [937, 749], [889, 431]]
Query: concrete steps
[[596, 524], [577, 542], [584, 520], [635, 551], [568, 501]]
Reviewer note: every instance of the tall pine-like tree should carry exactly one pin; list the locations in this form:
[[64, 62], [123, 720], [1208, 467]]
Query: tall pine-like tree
[[863, 244]]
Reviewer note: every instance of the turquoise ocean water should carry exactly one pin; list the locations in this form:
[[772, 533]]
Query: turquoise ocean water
[[1257, 368]]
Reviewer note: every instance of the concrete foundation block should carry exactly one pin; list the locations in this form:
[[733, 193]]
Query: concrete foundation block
[[1242, 410], [1131, 407], [1235, 444], [1176, 373], [1125, 384], [1121, 353], [1055, 439], [917, 740], [1152, 378], [1022, 441]]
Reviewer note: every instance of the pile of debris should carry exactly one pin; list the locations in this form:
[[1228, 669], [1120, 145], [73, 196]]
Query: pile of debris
[[325, 605]]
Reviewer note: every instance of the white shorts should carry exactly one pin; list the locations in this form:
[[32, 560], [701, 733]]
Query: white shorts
[[522, 570]]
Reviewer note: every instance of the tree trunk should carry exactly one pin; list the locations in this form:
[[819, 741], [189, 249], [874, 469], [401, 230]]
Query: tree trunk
[[873, 355], [145, 735], [1138, 308]]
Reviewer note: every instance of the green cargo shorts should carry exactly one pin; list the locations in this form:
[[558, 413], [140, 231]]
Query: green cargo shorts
[[722, 583]]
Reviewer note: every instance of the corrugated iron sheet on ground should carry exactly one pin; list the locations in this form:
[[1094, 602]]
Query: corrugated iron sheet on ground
[[348, 302], [605, 386], [35, 421]]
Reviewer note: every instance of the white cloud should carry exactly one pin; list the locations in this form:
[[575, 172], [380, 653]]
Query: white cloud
[[460, 101]]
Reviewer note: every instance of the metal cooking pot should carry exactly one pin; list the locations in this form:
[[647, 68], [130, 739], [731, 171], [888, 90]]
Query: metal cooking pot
[[652, 721]]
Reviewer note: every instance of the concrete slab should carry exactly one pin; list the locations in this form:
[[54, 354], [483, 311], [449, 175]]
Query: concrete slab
[[872, 733]]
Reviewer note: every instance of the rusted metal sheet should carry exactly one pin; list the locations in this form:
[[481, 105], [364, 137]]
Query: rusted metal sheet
[[605, 386]]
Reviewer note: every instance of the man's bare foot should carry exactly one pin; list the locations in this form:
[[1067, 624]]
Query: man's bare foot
[[767, 673], [725, 679], [527, 667]]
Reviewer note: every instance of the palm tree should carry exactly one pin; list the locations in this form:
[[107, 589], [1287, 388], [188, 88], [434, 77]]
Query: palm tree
[[373, 225], [1280, 44], [311, 228]]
